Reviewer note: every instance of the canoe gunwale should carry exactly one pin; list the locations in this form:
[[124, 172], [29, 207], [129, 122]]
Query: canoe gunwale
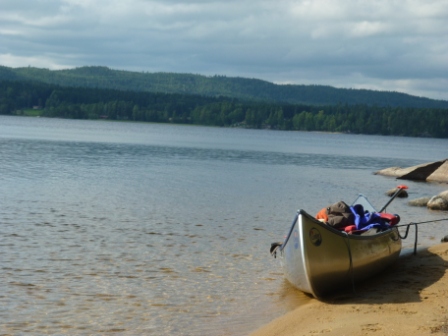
[[329, 228]]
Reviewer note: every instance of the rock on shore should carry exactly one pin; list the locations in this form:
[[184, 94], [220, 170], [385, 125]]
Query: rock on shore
[[431, 171], [437, 202]]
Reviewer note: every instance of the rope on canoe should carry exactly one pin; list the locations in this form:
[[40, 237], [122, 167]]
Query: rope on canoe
[[408, 226], [406, 235]]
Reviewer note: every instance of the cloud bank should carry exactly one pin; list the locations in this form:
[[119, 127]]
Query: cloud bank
[[382, 45]]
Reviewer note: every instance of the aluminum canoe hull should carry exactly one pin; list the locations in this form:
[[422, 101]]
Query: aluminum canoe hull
[[318, 259]]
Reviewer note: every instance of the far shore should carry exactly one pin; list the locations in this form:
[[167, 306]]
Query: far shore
[[409, 299]]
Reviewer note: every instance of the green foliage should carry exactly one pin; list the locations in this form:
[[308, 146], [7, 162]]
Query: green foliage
[[216, 86], [30, 112], [50, 100]]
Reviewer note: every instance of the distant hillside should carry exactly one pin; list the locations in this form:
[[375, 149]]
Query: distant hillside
[[234, 87], [33, 98]]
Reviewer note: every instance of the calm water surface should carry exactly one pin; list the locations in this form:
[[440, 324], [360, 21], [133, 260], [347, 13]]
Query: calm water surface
[[165, 230]]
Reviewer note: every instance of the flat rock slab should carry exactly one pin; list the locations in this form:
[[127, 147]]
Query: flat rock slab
[[431, 171], [440, 174]]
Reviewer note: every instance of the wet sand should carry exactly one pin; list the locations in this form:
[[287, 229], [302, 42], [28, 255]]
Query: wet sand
[[411, 298]]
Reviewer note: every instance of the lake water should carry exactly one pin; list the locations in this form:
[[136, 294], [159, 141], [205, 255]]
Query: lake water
[[154, 229]]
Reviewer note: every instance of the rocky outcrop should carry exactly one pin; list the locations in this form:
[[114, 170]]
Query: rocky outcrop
[[431, 171], [421, 202], [440, 174], [437, 202], [403, 193]]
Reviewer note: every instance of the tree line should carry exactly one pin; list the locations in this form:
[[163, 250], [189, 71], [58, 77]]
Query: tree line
[[213, 86], [94, 103]]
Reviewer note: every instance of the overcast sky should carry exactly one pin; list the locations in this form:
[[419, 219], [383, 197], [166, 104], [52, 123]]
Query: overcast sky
[[393, 45]]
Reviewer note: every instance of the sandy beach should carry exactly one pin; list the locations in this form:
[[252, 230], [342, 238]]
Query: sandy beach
[[411, 298]]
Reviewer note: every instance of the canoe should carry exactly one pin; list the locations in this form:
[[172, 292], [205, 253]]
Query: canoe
[[318, 259]]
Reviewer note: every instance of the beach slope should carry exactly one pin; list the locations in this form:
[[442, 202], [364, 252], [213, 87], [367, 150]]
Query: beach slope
[[410, 298]]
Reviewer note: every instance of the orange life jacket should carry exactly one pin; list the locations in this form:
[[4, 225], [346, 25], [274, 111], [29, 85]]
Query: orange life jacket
[[322, 215]]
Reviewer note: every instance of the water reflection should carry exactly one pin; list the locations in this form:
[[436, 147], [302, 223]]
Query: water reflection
[[147, 236]]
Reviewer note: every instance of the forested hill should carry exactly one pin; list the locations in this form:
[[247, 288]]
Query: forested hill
[[233, 87]]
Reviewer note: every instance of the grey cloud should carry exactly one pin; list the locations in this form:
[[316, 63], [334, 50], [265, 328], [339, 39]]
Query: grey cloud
[[382, 44]]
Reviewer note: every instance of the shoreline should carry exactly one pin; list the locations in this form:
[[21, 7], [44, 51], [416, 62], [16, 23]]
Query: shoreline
[[410, 298]]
